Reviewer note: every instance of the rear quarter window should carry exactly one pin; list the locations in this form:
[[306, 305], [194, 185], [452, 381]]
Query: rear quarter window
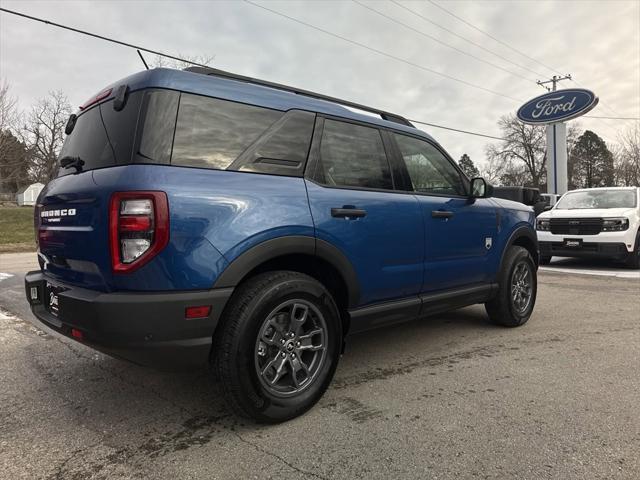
[[212, 133]]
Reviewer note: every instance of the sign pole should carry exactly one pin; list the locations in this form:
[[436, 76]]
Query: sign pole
[[557, 181]]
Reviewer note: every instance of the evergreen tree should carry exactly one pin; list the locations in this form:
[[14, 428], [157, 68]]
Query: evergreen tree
[[467, 166], [591, 162]]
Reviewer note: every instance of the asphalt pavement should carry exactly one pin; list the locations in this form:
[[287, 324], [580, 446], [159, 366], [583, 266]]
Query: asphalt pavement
[[449, 397]]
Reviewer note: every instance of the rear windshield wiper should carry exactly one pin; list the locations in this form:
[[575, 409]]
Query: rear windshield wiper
[[68, 162]]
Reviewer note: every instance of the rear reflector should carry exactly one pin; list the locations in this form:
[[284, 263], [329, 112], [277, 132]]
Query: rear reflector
[[135, 223], [201, 311], [75, 333]]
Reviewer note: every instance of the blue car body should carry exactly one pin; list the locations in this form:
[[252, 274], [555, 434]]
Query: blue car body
[[397, 262]]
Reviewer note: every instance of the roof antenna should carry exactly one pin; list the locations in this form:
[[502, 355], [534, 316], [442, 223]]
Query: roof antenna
[[142, 58]]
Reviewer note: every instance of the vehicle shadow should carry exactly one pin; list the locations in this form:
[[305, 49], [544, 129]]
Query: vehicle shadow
[[149, 414], [105, 380], [590, 263]]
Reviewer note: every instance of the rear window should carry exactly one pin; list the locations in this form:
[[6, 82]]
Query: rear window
[[103, 137]]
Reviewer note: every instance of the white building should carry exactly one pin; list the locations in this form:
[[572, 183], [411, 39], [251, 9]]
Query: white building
[[28, 195]]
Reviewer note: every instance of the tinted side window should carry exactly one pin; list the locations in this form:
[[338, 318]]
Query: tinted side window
[[212, 133], [353, 156], [159, 108], [283, 149], [429, 169]]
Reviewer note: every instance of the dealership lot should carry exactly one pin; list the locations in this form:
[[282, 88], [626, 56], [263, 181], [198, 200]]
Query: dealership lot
[[447, 397]]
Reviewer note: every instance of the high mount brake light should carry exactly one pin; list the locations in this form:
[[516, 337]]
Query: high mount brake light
[[101, 96], [138, 228]]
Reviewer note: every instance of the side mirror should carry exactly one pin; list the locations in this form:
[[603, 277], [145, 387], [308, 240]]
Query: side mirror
[[480, 188]]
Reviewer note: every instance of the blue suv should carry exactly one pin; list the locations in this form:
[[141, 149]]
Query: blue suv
[[200, 216]]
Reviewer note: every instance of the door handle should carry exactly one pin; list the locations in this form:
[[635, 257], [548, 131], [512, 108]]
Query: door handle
[[348, 212], [441, 214]]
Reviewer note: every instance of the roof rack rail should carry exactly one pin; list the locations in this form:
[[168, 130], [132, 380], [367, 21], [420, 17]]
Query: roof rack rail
[[221, 73]]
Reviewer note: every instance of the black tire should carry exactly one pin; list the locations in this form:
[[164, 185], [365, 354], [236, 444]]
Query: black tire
[[502, 309], [545, 260], [633, 260], [238, 346]]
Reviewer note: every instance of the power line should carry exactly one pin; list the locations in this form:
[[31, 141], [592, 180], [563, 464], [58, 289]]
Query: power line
[[435, 24], [101, 37], [380, 52], [509, 46], [492, 37], [456, 130], [613, 118], [611, 110], [439, 41]]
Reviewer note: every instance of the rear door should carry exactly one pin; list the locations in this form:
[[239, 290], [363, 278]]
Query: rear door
[[459, 234], [355, 207]]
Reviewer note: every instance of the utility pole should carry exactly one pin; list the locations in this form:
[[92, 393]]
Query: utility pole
[[557, 181], [554, 80]]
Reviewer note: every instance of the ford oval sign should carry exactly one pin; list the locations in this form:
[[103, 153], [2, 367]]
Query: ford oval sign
[[557, 106]]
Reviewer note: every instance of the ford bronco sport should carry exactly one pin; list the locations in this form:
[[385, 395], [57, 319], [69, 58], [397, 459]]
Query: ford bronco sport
[[200, 216]]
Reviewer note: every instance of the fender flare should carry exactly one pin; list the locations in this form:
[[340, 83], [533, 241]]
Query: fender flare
[[282, 246], [521, 231]]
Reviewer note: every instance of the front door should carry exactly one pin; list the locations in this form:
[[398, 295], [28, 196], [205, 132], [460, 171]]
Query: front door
[[460, 234], [355, 207]]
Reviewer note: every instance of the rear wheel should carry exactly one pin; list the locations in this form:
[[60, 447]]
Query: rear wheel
[[518, 285], [278, 346]]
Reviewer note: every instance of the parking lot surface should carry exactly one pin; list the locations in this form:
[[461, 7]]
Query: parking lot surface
[[447, 397]]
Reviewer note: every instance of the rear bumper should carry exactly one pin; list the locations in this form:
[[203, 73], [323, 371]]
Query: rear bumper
[[145, 328], [616, 251]]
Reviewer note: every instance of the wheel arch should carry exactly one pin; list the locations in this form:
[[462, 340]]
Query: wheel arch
[[523, 236], [314, 257]]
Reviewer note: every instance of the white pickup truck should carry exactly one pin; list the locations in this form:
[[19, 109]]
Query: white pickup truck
[[594, 222]]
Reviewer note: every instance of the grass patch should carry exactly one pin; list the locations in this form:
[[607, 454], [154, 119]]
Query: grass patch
[[16, 229]]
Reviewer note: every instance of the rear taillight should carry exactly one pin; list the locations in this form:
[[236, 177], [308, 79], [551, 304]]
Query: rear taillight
[[138, 227]]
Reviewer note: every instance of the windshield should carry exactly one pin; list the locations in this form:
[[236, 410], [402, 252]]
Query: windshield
[[597, 199]]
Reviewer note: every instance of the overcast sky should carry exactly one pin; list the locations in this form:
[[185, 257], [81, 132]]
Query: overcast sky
[[598, 42]]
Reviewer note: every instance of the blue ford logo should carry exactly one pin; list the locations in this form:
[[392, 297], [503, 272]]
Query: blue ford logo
[[557, 106]]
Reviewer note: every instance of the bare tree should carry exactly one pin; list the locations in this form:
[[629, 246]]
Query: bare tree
[[522, 153], [44, 134], [164, 62], [14, 166], [627, 157], [8, 108], [492, 170]]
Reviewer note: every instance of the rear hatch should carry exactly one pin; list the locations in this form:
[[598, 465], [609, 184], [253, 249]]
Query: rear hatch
[[72, 211]]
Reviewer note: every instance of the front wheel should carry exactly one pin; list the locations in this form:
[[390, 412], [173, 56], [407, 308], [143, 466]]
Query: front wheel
[[633, 260], [278, 346], [517, 289]]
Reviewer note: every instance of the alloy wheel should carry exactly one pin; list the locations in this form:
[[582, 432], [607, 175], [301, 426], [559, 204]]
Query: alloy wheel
[[291, 347]]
